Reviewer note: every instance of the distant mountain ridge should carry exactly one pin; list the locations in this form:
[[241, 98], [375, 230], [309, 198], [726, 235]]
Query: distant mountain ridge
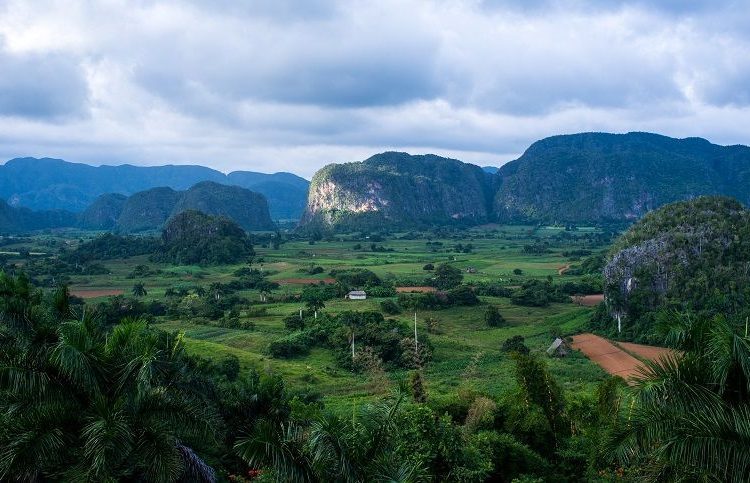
[[578, 178], [151, 209], [48, 184]]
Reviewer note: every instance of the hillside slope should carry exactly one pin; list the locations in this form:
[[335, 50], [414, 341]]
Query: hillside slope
[[401, 190]]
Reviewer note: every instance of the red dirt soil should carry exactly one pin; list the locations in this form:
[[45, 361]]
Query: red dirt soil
[[618, 358], [605, 354], [416, 289], [304, 281], [587, 300], [649, 352], [93, 293]]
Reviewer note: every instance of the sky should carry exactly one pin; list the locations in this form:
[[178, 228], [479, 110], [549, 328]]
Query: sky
[[285, 85]]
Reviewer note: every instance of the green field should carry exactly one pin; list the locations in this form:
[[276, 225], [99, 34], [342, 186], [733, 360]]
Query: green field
[[467, 353]]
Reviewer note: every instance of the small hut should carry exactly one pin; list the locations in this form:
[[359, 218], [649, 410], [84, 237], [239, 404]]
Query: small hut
[[559, 348], [357, 295]]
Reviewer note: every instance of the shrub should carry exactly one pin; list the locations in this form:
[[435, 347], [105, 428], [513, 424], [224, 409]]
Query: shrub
[[493, 317], [389, 307], [292, 345], [515, 344], [429, 266]]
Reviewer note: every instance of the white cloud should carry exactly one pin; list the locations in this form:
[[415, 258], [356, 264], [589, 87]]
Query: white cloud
[[285, 85]]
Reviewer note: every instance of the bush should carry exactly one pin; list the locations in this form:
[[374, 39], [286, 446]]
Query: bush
[[389, 307], [493, 317], [446, 277], [517, 271], [293, 345], [429, 266], [515, 344], [462, 295]]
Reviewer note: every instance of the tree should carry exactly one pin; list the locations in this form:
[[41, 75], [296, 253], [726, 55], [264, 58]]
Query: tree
[[265, 288], [139, 290], [690, 418], [418, 392], [313, 300], [447, 276], [80, 403], [493, 317]]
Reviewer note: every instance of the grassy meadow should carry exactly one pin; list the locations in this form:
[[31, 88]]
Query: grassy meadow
[[467, 353]]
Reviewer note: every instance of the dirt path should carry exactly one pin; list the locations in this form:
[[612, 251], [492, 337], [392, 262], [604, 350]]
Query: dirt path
[[563, 269], [85, 293]]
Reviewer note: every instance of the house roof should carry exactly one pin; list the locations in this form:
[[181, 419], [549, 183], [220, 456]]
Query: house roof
[[357, 292], [557, 343]]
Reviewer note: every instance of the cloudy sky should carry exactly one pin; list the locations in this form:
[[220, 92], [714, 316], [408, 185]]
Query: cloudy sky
[[284, 85]]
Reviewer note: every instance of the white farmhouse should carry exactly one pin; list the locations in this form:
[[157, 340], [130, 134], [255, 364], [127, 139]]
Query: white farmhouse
[[356, 295]]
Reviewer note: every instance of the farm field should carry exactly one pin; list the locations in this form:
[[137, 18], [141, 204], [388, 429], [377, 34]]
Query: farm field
[[467, 353], [622, 359]]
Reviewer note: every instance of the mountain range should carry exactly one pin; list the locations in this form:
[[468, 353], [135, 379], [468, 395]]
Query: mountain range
[[147, 210], [55, 184], [579, 178]]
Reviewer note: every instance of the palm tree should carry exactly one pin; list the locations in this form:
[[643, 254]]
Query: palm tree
[[139, 290], [690, 416], [341, 449], [79, 403]]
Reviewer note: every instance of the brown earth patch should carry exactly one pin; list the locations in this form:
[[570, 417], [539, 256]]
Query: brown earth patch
[[587, 300], [86, 293], [614, 359], [304, 281], [563, 269], [422, 289], [649, 352]]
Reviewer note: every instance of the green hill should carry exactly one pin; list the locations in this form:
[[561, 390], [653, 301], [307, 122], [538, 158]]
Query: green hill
[[103, 213], [401, 190], [599, 177], [689, 255], [192, 237]]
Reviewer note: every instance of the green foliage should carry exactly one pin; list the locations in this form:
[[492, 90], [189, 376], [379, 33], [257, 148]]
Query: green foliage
[[389, 307], [193, 237], [689, 418], [493, 317], [293, 345], [446, 277], [79, 403], [515, 344], [108, 247], [537, 293]]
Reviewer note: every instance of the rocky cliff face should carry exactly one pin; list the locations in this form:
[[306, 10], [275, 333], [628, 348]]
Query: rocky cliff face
[[401, 190]]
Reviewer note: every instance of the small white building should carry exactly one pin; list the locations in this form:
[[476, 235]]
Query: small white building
[[356, 295]]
